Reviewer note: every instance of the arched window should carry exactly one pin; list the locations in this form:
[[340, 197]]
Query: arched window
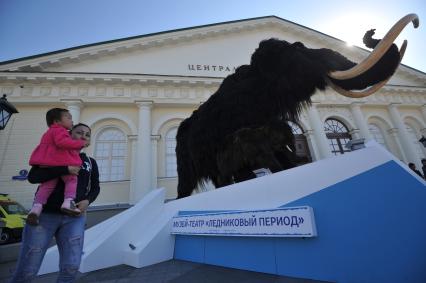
[[295, 128], [110, 154], [414, 139], [170, 141], [338, 135], [377, 135], [300, 143]]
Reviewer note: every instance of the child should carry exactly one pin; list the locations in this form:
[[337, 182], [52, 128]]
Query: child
[[56, 148]]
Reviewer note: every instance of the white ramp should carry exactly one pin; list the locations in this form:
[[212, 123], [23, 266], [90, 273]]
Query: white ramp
[[140, 236]]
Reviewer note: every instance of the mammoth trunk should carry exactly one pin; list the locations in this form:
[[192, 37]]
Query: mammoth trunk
[[382, 70]]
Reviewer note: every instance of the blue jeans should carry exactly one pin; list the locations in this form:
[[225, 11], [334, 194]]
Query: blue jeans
[[69, 234]]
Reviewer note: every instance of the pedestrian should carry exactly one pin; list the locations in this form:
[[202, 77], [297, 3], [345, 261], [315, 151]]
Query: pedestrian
[[56, 148], [53, 222]]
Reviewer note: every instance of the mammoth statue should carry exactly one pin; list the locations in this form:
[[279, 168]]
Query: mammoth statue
[[242, 127]]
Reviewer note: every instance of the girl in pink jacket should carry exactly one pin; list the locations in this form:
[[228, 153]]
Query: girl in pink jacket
[[56, 148]]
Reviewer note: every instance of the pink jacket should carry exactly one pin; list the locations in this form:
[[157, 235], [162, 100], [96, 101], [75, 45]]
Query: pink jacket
[[57, 148]]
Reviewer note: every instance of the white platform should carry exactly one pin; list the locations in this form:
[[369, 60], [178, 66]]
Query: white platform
[[140, 236]]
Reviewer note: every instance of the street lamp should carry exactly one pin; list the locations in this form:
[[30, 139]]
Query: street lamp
[[6, 111]]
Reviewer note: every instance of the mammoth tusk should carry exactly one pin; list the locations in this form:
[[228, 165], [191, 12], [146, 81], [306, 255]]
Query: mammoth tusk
[[380, 49], [358, 94], [370, 90], [402, 50]]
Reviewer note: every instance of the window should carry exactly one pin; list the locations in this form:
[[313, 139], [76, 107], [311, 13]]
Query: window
[[377, 134], [171, 166], [338, 135], [110, 154], [300, 143], [295, 128]]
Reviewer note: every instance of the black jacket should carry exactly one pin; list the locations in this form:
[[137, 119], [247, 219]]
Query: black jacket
[[87, 185]]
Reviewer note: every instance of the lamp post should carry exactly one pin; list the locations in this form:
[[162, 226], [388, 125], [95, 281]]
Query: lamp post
[[6, 111]]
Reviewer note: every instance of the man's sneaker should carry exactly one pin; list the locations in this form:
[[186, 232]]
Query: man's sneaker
[[68, 206], [33, 216]]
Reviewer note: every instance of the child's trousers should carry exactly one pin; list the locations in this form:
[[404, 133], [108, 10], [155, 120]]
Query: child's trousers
[[45, 189]]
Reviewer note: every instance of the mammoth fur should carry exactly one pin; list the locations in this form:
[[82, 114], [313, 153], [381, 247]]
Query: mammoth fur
[[242, 126]]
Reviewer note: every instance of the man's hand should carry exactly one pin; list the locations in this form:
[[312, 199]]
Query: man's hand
[[82, 205], [73, 170]]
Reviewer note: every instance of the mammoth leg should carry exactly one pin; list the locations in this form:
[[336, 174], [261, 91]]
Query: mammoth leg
[[267, 160], [287, 160], [186, 183], [244, 174], [228, 161], [223, 180], [187, 176]]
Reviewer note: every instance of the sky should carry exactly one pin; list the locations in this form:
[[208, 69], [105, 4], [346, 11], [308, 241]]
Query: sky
[[32, 27]]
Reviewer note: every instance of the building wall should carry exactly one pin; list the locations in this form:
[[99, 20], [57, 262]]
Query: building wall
[[25, 129], [164, 78]]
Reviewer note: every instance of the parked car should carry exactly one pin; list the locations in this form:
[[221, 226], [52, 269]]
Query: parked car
[[12, 219]]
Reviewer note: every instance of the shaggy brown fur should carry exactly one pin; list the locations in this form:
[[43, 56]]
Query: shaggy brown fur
[[214, 143]]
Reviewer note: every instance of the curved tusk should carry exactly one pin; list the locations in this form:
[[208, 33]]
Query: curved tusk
[[380, 49], [359, 94], [402, 50], [370, 90]]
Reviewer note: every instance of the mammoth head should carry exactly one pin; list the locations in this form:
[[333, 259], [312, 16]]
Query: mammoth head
[[372, 73], [298, 70]]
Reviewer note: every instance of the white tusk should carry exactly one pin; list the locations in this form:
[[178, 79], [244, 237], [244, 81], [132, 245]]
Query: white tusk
[[378, 52]]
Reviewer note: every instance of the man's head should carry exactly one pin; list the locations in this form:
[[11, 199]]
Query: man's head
[[81, 132]]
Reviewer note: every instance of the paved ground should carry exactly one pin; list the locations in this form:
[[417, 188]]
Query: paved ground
[[173, 271]]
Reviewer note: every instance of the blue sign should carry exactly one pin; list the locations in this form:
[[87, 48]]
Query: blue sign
[[23, 175]]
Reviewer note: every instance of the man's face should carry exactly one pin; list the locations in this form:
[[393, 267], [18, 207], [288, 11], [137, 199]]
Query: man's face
[[81, 133]]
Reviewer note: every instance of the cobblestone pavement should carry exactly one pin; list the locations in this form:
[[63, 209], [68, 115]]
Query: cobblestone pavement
[[173, 271]]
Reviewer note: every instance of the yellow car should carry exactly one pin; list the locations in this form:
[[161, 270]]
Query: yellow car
[[12, 219]]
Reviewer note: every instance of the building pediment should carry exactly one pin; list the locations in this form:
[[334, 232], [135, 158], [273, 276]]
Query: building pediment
[[205, 51]]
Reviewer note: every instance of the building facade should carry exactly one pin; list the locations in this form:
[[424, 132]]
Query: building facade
[[134, 92]]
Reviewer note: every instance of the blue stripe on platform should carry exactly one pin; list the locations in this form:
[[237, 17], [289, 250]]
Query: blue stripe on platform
[[371, 228]]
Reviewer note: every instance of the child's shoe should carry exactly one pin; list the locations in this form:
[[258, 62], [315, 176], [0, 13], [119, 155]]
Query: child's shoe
[[69, 207], [32, 217]]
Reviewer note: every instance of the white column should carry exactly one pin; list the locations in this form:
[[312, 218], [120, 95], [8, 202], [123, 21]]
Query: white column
[[141, 183], [74, 107], [154, 145], [409, 152], [394, 134], [132, 139], [313, 148], [360, 121], [318, 131]]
